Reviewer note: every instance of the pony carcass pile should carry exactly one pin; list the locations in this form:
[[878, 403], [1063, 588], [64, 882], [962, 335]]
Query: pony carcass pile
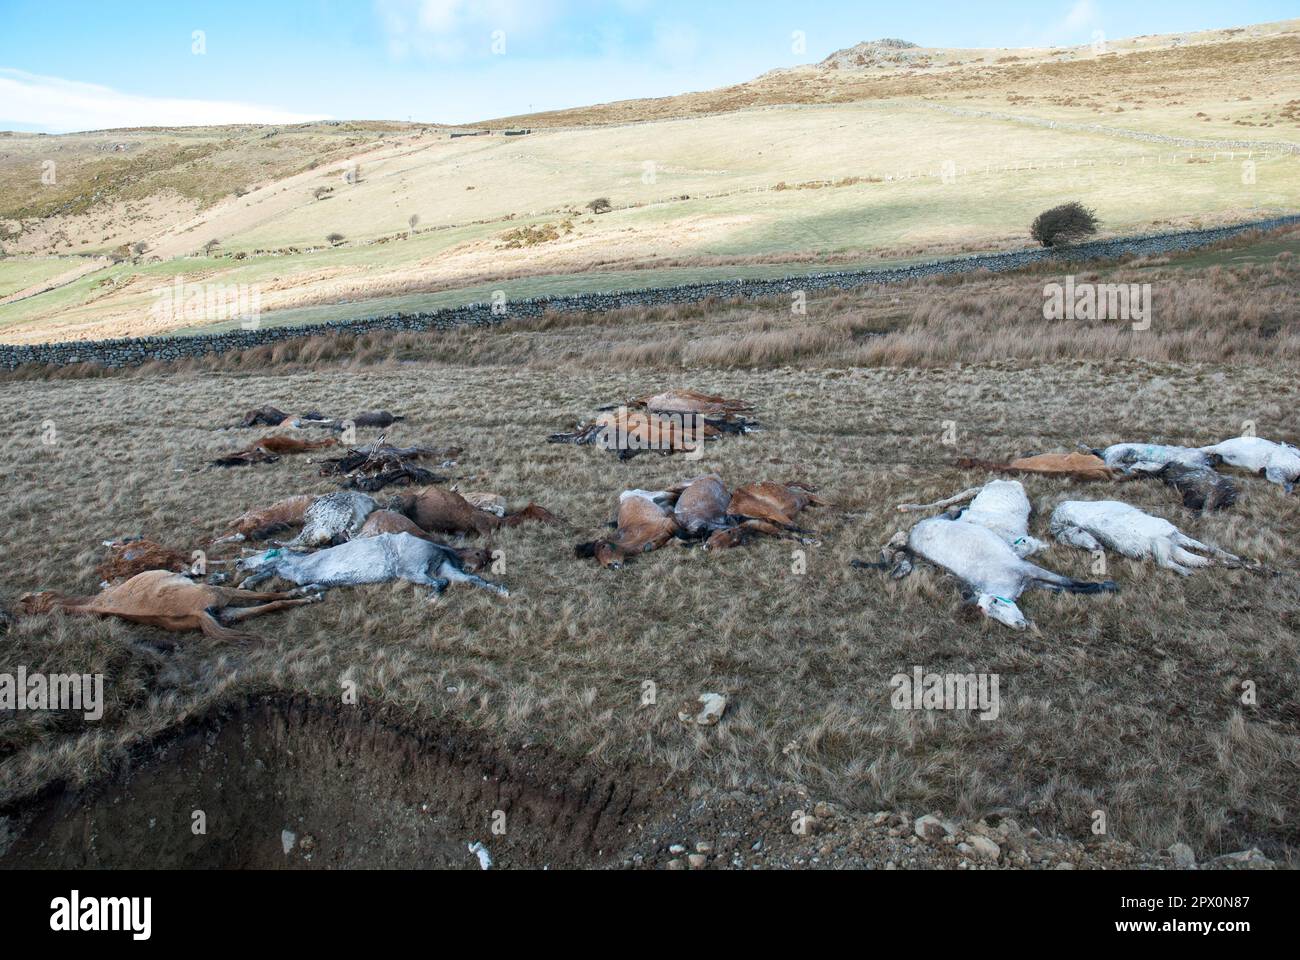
[[315, 542]]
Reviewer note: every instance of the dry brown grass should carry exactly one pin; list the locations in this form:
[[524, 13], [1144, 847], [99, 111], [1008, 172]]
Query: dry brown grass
[[1245, 305], [1224, 66], [1128, 703]]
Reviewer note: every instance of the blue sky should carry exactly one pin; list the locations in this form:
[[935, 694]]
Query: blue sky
[[73, 64]]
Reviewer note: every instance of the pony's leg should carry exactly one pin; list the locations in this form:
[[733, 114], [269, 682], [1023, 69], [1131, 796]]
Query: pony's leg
[[438, 584], [791, 532], [947, 502], [1181, 540], [232, 595], [1189, 559], [247, 613], [1164, 553], [448, 571], [256, 578]]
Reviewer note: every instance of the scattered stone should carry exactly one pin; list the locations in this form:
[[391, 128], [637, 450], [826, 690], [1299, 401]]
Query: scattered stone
[[677, 848], [706, 711], [1184, 858], [287, 840], [984, 848], [1252, 859], [697, 861], [931, 828], [676, 865]]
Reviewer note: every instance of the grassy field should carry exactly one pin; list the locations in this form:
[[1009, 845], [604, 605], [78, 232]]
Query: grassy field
[[19, 274], [1127, 703], [878, 221], [866, 157]]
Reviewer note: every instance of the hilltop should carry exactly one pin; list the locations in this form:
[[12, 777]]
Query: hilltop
[[882, 152]]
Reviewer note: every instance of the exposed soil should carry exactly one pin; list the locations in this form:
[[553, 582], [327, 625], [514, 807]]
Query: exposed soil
[[357, 788], [298, 783]]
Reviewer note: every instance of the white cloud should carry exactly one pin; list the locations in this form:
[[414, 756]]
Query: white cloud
[[454, 29], [676, 43], [1080, 23], [61, 106], [1081, 16]]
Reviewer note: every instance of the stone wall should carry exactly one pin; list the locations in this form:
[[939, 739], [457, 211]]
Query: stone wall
[[137, 351]]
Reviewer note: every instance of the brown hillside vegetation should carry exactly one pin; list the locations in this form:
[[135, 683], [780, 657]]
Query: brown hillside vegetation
[[1230, 64], [574, 702], [803, 647], [1237, 301], [883, 151]]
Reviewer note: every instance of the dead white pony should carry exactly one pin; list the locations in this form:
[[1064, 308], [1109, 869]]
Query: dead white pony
[[1278, 462], [1000, 505], [984, 546], [990, 567], [1093, 524]]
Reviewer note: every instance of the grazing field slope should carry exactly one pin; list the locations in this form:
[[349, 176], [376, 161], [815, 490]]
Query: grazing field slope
[[883, 152], [1128, 703]]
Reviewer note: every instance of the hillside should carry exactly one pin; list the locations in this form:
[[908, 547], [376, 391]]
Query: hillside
[[882, 152]]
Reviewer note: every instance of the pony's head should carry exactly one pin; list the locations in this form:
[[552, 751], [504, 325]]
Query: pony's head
[[1002, 610]]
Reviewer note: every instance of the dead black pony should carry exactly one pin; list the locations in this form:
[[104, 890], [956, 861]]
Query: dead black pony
[[405, 475], [245, 458], [263, 417], [1201, 488], [376, 465]]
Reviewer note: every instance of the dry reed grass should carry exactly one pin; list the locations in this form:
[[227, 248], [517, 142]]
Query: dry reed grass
[[1227, 312], [1128, 703]]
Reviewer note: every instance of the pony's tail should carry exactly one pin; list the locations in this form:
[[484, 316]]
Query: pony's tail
[[215, 631], [1055, 581]]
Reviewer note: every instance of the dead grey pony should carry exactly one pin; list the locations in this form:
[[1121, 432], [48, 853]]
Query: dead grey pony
[[1186, 469], [389, 556]]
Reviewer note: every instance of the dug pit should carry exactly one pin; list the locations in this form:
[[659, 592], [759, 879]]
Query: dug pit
[[297, 783]]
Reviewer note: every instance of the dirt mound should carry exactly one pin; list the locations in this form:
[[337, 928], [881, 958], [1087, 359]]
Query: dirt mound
[[296, 783]]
